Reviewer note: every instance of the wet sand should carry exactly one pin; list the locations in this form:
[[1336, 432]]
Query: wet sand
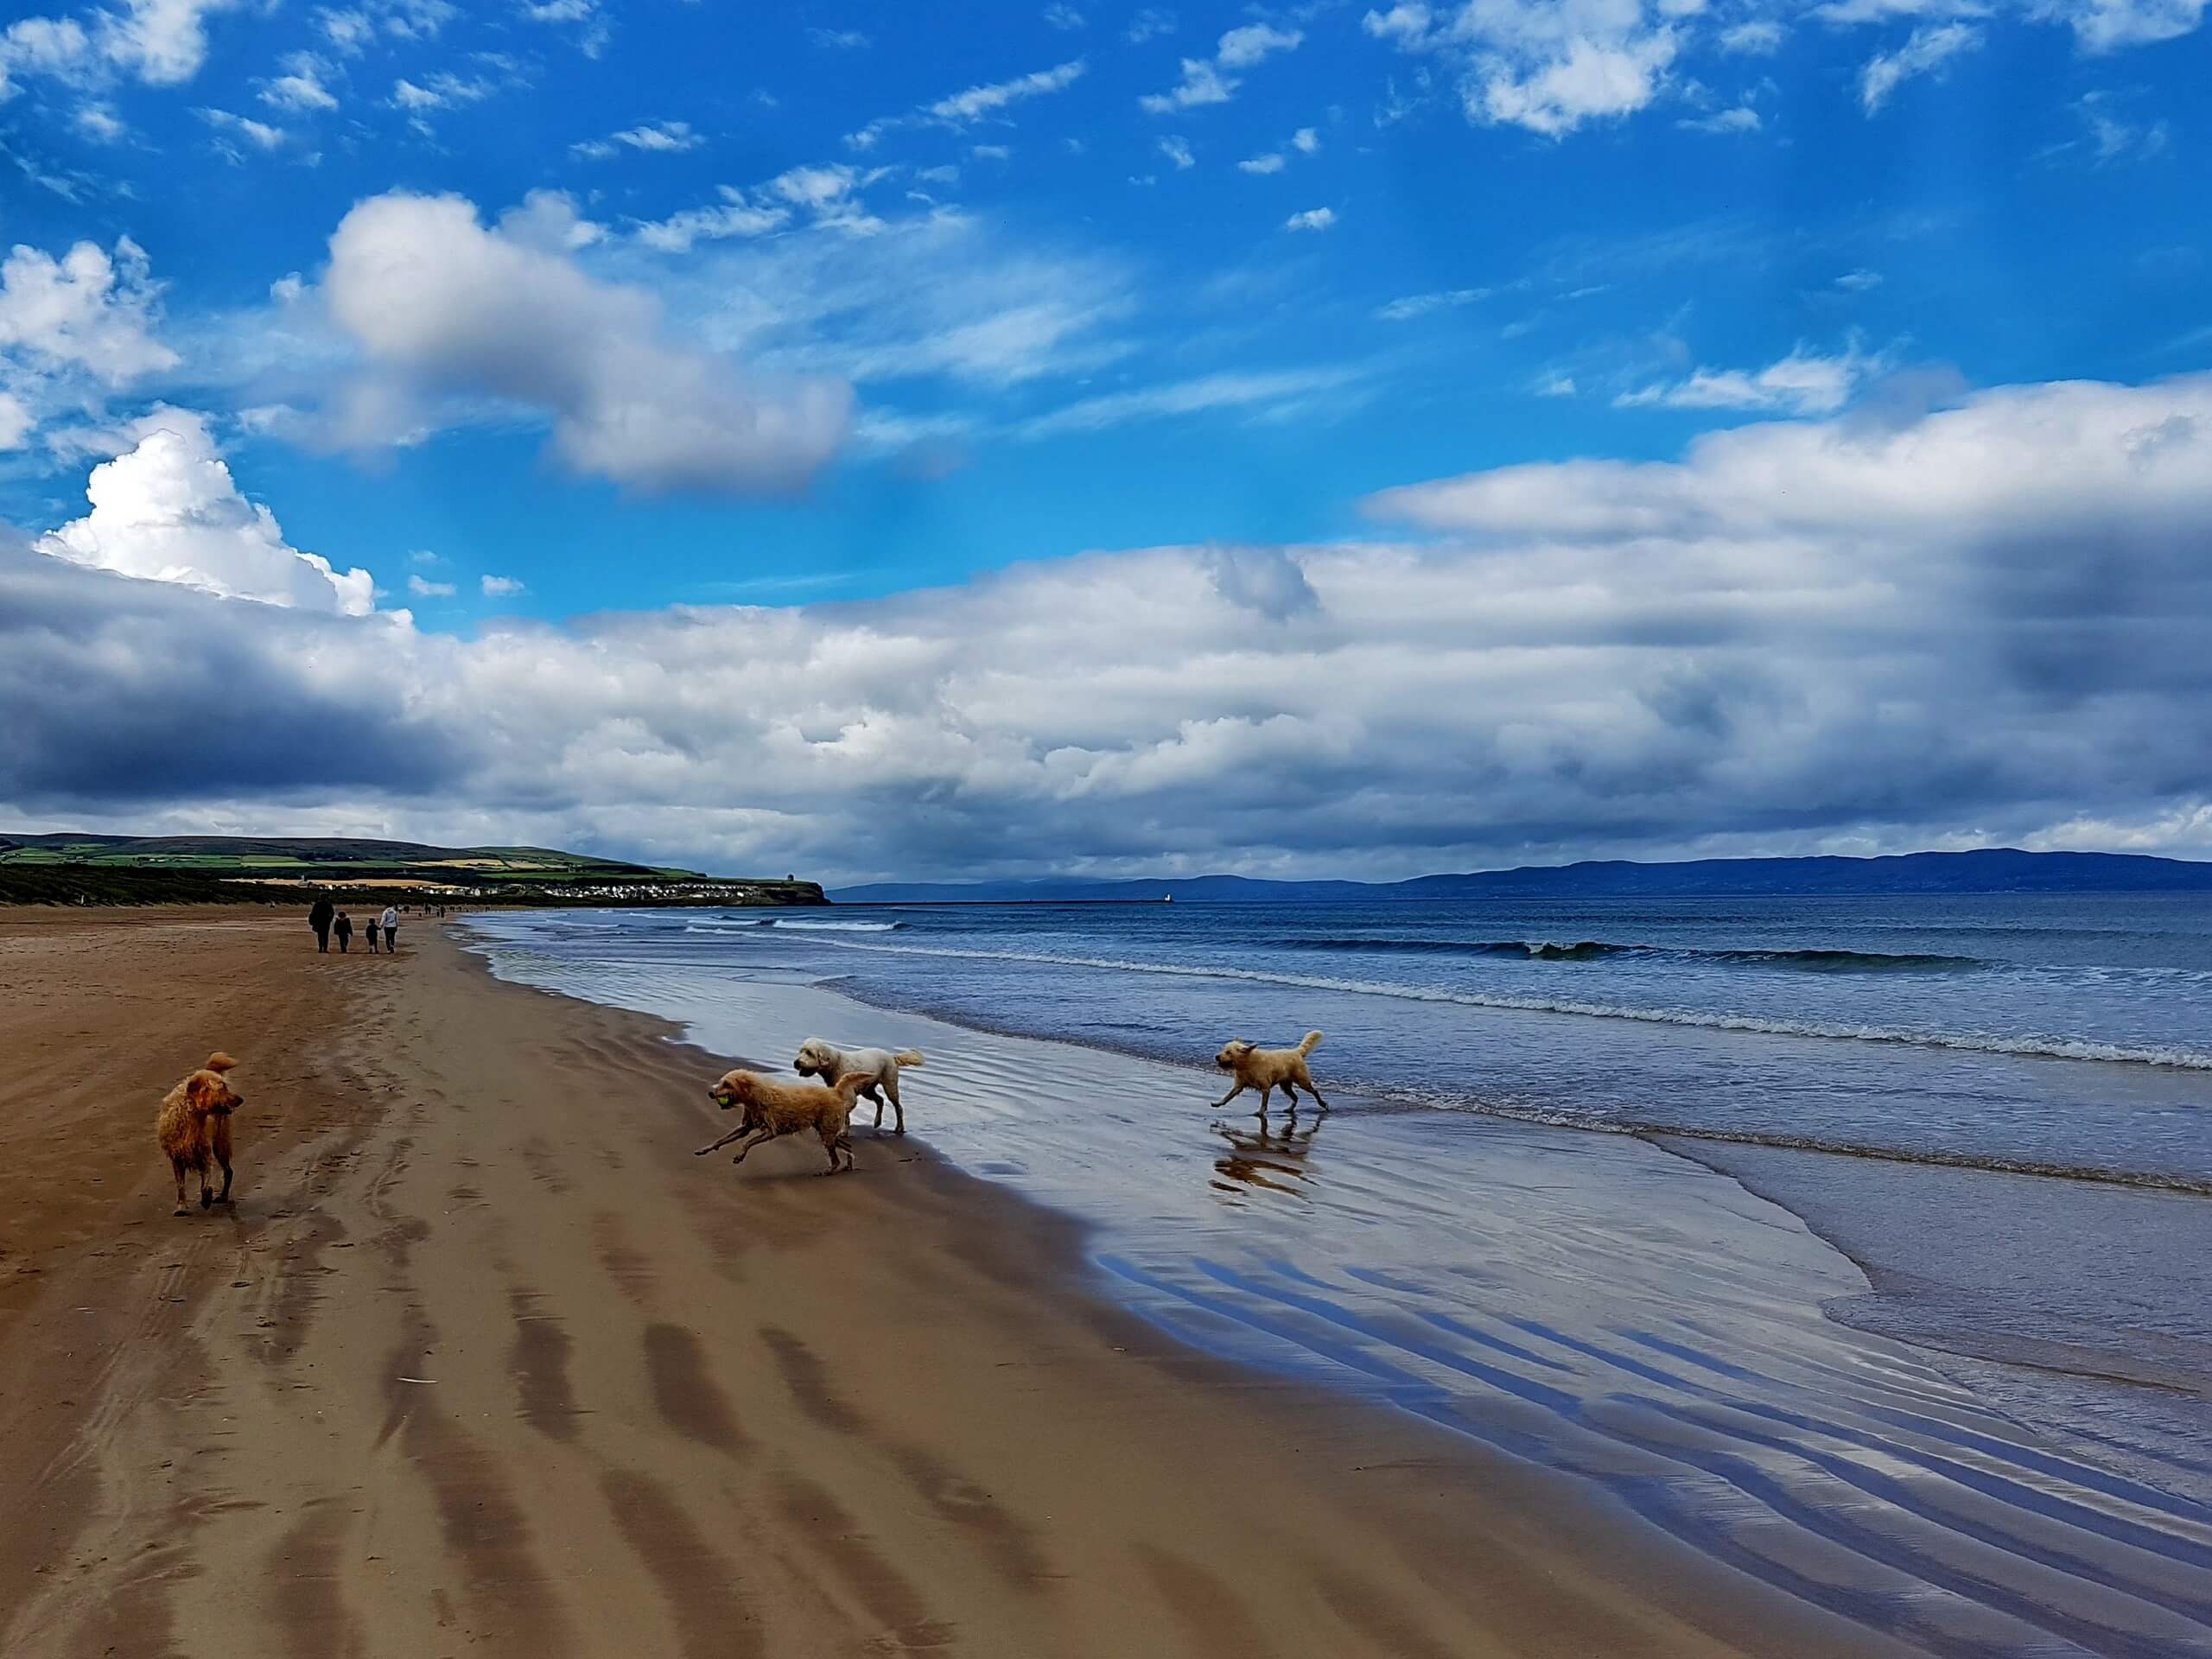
[[485, 1360]]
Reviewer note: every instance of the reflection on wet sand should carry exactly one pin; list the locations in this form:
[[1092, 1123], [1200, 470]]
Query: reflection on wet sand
[[1267, 1156]]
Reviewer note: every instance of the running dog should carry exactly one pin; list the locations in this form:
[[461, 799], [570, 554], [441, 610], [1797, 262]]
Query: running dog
[[774, 1108], [878, 1065], [1268, 1069], [194, 1127]]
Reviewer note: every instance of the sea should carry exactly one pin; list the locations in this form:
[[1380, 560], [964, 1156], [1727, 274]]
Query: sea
[[1862, 1241]]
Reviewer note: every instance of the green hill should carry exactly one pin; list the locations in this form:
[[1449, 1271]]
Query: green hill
[[76, 868]]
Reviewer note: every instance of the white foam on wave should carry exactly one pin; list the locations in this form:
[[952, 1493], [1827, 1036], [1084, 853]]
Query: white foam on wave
[[2057, 1048], [835, 927]]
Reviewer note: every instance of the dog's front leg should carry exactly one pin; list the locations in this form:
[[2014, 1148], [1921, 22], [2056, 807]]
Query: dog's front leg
[[1230, 1095], [742, 1128]]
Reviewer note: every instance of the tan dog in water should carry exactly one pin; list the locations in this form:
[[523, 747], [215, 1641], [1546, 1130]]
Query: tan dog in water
[[1268, 1069], [194, 1127], [879, 1066], [774, 1108]]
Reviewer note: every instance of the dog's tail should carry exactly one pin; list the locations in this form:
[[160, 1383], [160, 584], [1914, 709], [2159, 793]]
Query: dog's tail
[[219, 1061], [907, 1057], [1312, 1041]]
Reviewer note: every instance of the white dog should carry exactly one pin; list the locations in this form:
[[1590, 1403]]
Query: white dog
[[878, 1065]]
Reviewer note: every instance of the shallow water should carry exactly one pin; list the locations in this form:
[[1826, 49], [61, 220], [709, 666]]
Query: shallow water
[[1590, 1301]]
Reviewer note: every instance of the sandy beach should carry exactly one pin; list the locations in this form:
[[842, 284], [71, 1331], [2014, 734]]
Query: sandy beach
[[486, 1360]]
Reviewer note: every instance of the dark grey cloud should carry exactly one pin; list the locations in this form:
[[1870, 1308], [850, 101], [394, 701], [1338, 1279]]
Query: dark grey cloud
[[125, 692], [1262, 579]]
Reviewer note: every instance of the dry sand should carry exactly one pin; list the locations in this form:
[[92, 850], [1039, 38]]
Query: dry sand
[[485, 1361]]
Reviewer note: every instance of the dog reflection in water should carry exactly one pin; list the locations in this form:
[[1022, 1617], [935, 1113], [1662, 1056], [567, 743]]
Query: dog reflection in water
[[1267, 1157]]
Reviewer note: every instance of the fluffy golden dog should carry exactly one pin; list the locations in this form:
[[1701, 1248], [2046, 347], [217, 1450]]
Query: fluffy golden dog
[[1268, 1069], [774, 1108], [878, 1065], [194, 1127]]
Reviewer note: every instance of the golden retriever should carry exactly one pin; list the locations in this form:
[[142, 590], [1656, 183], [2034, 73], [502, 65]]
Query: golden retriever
[[194, 1127], [1268, 1069], [878, 1065], [774, 1108]]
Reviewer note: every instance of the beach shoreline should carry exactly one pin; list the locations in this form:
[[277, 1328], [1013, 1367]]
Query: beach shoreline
[[486, 1358]]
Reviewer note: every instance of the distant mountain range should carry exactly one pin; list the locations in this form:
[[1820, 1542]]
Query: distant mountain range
[[1998, 870]]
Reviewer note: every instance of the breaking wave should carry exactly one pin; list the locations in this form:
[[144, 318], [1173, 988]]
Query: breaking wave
[[835, 927], [1829, 962]]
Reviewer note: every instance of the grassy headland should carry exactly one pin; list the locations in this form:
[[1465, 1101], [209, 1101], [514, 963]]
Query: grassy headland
[[85, 869]]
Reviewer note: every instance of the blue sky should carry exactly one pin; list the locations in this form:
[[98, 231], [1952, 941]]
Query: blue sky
[[545, 313]]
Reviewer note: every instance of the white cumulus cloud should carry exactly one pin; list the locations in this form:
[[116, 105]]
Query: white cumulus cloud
[[1239, 48], [15, 421], [301, 88], [91, 309], [163, 41], [438, 303], [2108, 25], [1204, 80], [167, 510], [1550, 68]]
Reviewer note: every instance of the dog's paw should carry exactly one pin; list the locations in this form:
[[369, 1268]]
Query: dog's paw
[[179, 1211], [206, 1199]]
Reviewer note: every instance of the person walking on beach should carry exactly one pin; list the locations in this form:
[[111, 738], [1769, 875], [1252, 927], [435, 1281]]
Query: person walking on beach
[[343, 927], [319, 920], [391, 919]]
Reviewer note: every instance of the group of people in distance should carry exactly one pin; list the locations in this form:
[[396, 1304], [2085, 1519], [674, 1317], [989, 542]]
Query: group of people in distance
[[328, 922]]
